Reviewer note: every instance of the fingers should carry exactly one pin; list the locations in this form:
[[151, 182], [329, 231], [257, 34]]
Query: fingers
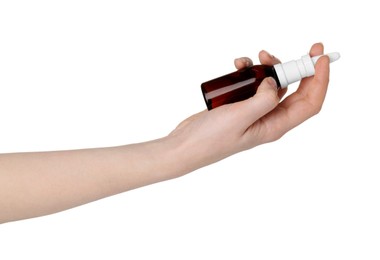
[[316, 49], [305, 88], [264, 57], [243, 62], [306, 102], [316, 93], [267, 58]]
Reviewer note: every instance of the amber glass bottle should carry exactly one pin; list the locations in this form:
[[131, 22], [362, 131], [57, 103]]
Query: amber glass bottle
[[243, 84], [236, 86]]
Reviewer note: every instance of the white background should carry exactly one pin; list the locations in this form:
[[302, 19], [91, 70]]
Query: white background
[[79, 74]]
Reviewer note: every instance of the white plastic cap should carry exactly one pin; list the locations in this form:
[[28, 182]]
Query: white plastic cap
[[293, 71]]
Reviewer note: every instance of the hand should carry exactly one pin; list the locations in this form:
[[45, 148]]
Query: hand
[[210, 136]]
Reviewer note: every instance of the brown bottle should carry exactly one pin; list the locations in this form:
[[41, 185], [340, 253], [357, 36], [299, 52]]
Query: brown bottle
[[236, 86], [243, 84]]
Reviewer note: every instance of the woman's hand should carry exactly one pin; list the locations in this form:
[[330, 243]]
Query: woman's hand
[[210, 136]]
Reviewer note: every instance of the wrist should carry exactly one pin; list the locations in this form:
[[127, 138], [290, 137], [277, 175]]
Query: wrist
[[173, 156], [185, 154], [151, 162]]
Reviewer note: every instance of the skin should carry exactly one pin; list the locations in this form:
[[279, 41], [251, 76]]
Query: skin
[[42, 183]]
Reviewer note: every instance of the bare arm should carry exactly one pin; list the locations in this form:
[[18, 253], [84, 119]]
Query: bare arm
[[36, 184]]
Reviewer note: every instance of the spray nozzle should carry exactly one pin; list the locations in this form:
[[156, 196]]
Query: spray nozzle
[[334, 56]]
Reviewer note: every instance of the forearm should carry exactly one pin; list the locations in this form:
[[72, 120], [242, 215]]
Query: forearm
[[35, 184]]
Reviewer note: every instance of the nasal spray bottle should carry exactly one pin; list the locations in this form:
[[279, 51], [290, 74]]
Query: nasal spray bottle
[[243, 84]]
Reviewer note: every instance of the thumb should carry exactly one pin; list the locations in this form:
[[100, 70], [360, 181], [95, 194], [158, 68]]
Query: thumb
[[264, 101]]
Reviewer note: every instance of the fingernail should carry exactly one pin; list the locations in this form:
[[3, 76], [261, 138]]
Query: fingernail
[[272, 82], [243, 60]]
